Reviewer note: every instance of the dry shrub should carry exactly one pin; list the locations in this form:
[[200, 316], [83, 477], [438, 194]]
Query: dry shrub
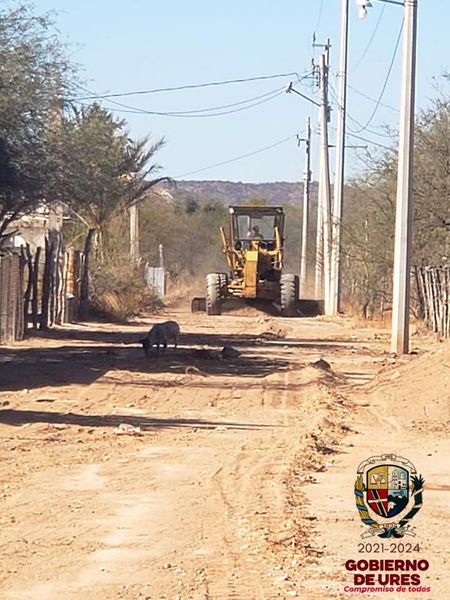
[[183, 288], [119, 291]]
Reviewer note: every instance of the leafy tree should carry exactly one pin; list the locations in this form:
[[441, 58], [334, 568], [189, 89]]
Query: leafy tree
[[33, 72], [104, 171], [368, 233]]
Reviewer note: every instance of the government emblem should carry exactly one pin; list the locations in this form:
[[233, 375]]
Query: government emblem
[[388, 495]]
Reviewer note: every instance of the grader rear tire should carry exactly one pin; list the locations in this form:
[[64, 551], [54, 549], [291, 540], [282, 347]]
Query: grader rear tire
[[223, 283], [289, 294], [213, 294]]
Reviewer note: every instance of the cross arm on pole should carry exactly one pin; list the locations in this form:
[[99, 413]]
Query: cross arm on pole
[[290, 89]]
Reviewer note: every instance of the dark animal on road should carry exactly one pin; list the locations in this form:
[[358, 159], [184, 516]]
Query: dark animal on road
[[160, 335]]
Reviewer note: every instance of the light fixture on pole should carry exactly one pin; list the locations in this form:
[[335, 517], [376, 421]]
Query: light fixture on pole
[[363, 5], [404, 202]]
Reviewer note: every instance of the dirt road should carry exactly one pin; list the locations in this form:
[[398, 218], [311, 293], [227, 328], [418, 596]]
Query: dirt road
[[195, 476]]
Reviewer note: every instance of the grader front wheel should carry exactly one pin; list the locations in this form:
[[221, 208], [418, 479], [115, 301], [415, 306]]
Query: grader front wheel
[[289, 294], [213, 293]]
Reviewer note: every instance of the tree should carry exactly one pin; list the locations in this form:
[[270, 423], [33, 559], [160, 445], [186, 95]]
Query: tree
[[368, 233], [104, 171], [34, 70]]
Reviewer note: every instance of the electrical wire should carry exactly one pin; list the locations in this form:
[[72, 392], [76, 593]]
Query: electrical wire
[[188, 86], [137, 111], [126, 108], [363, 95], [351, 118], [364, 139], [242, 156], [319, 18], [234, 104], [371, 131], [363, 55], [383, 89]]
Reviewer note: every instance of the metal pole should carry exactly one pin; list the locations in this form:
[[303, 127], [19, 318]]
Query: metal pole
[[325, 177], [305, 221], [340, 165], [404, 205]]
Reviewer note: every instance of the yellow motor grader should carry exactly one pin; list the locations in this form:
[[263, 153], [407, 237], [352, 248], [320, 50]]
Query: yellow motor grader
[[254, 251]]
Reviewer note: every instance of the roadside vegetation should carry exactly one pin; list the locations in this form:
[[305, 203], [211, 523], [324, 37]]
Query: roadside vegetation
[[369, 220]]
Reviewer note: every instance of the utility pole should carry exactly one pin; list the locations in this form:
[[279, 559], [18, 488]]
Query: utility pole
[[324, 183], [318, 273], [134, 234], [305, 221], [403, 220], [335, 279]]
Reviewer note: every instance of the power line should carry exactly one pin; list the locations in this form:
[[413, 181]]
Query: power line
[[188, 86], [364, 139], [363, 95], [126, 108], [371, 131], [242, 156], [134, 110], [234, 104], [383, 89], [319, 18], [369, 43], [351, 118]]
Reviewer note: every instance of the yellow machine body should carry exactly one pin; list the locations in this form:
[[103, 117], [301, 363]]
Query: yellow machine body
[[254, 251], [255, 257]]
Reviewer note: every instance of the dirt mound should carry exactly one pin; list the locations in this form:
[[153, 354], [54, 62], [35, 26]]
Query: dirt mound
[[419, 385]]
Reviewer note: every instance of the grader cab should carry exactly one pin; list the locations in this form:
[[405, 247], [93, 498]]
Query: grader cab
[[255, 254]]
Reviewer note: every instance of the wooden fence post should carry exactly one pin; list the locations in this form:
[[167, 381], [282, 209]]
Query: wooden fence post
[[83, 307], [46, 285]]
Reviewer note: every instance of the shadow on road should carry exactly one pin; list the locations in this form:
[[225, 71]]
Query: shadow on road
[[39, 367], [20, 417], [96, 352]]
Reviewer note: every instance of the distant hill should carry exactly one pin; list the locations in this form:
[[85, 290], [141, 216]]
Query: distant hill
[[231, 192]]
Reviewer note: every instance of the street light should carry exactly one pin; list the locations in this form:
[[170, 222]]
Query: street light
[[404, 202], [363, 5]]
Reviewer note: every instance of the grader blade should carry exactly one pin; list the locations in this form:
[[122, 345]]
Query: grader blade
[[198, 305]]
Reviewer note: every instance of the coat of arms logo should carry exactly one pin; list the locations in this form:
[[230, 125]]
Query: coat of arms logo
[[388, 495]]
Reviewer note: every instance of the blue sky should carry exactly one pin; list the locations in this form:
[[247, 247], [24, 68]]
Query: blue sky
[[143, 44]]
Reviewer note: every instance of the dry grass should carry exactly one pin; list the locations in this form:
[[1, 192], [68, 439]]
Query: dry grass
[[120, 292]]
